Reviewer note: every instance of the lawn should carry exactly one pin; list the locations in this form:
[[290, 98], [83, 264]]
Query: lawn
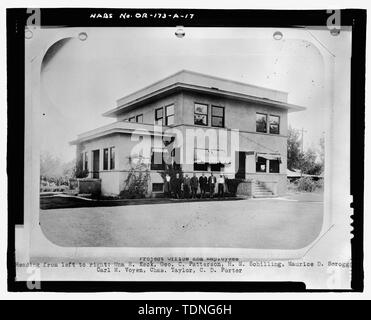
[[291, 222]]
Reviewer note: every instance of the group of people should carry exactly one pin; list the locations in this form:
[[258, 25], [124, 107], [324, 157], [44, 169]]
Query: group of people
[[186, 187]]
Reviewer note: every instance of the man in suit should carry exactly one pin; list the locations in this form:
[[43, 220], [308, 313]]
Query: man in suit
[[176, 186], [212, 182], [186, 186], [194, 186], [203, 185]]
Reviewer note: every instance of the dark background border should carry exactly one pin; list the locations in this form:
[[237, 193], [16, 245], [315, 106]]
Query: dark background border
[[77, 17]]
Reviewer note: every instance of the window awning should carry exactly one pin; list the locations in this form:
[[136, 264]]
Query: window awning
[[163, 150], [211, 156], [269, 156]]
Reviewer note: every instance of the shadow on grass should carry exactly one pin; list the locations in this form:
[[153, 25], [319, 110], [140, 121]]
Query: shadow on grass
[[63, 202]]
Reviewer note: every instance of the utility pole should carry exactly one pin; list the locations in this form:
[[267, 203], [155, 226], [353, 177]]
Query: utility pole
[[302, 148], [302, 139]]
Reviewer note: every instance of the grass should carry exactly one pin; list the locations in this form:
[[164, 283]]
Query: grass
[[280, 223]]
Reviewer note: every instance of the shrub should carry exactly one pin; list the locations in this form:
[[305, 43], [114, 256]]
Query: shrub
[[319, 184], [136, 183], [232, 185], [79, 171], [306, 184]]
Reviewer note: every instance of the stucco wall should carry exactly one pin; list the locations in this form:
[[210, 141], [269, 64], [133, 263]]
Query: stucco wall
[[148, 110], [113, 181], [238, 114]]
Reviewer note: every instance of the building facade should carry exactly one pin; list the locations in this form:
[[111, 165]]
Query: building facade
[[202, 123]]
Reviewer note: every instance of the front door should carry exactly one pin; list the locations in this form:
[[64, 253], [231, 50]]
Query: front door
[[241, 165], [96, 164]]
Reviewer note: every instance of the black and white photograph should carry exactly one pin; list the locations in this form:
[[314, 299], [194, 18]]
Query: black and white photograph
[[161, 145]]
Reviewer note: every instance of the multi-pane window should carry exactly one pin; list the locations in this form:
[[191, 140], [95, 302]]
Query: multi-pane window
[[216, 167], [132, 119], [85, 161], [274, 124], [201, 114], [261, 165], [159, 116], [170, 115], [109, 158], [112, 158], [274, 166], [200, 166], [261, 122], [217, 116], [139, 118], [105, 159], [157, 187]]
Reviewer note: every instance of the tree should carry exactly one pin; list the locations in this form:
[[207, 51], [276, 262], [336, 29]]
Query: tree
[[322, 151], [294, 154], [52, 169], [309, 164]]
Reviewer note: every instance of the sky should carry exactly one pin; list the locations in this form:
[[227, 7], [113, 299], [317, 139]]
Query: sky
[[83, 79]]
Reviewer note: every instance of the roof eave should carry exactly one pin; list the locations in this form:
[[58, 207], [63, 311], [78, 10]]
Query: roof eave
[[239, 96]]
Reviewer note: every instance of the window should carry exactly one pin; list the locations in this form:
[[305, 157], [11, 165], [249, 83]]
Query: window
[[201, 114], [139, 118], [217, 116], [157, 161], [261, 122], [170, 115], [261, 165], [132, 119], [200, 166], [85, 161], [112, 158], [216, 167], [274, 166], [105, 159], [157, 187], [159, 116], [274, 124]]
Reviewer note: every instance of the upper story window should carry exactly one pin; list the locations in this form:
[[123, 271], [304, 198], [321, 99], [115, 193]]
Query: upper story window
[[159, 116], [274, 124], [217, 116], [132, 119], [170, 115], [139, 118], [201, 114], [261, 122]]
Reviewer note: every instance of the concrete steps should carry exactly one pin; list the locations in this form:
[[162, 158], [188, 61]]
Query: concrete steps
[[260, 191]]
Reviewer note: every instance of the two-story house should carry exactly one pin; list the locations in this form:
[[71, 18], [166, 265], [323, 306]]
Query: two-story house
[[215, 125]]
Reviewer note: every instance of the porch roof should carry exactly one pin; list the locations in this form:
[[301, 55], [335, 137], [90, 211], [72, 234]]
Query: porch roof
[[121, 127]]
